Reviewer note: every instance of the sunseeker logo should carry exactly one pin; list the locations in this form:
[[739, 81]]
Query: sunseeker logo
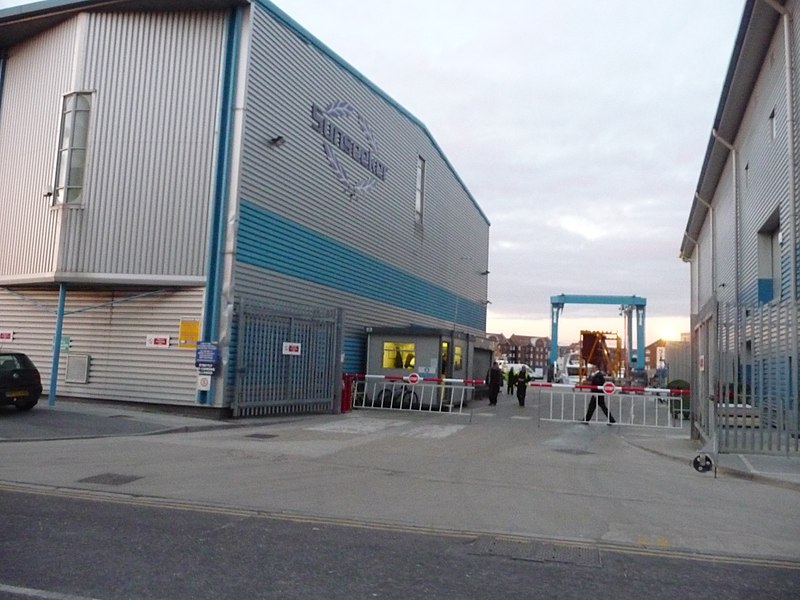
[[337, 142]]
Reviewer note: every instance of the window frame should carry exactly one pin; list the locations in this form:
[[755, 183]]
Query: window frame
[[419, 202], [73, 148], [393, 349], [769, 244]]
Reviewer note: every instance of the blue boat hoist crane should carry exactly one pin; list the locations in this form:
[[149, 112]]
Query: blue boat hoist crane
[[627, 305]]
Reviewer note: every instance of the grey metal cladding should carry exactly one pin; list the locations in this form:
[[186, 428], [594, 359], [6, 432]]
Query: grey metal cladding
[[763, 164], [36, 75], [762, 179], [149, 179], [725, 245], [286, 76], [113, 333]]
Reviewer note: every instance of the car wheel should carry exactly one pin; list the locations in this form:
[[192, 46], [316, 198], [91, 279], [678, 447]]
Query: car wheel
[[25, 404]]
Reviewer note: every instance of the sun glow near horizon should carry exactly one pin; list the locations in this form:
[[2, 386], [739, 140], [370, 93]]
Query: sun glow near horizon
[[569, 329]]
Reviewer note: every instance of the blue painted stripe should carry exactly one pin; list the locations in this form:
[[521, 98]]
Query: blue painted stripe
[[275, 243]]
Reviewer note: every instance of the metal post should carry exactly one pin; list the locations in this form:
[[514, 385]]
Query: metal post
[[62, 295], [554, 310], [640, 338]]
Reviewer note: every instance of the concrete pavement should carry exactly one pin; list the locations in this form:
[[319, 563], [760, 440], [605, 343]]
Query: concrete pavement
[[493, 471]]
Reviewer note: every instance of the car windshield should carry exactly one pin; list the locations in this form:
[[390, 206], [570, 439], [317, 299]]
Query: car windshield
[[10, 362]]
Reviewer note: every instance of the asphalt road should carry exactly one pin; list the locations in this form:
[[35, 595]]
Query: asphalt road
[[76, 545]]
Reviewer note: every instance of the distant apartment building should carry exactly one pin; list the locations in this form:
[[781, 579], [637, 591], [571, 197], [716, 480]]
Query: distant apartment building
[[532, 351]]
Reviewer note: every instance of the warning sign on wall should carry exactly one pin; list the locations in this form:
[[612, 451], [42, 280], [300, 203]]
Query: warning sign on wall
[[157, 340], [188, 333], [291, 348], [203, 382]]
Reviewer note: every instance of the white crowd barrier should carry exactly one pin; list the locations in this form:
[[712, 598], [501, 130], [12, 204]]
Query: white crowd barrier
[[411, 392], [637, 406]]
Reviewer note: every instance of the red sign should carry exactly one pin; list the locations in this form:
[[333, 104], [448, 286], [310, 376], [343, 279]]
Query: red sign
[[413, 378], [609, 387], [291, 348], [158, 341]]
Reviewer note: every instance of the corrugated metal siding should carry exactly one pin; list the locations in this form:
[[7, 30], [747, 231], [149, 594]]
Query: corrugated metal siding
[[150, 173], [278, 244], [295, 182], [122, 367], [725, 245], [792, 6], [355, 353], [763, 164], [679, 357], [749, 349], [705, 290], [359, 312], [37, 74]]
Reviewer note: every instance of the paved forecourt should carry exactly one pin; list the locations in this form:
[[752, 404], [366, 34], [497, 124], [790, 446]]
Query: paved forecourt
[[491, 470]]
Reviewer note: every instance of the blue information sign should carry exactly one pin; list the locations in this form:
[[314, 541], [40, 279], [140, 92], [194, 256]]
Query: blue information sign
[[206, 356]]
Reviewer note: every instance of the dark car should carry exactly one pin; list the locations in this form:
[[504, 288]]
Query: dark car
[[20, 383]]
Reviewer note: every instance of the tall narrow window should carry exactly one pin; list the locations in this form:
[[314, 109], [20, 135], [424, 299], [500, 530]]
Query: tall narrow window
[[73, 137], [769, 259], [420, 202]]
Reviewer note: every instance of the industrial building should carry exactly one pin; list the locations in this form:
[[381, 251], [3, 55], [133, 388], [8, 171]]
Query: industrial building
[[741, 241], [204, 205]]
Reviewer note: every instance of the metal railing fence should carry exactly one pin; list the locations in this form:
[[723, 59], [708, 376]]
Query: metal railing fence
[[627, 406], [408, 393]]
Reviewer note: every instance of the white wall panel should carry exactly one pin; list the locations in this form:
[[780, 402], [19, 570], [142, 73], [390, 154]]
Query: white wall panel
[[725, 242], [114, 335], [152, 144], [704, 265], [37, 74]]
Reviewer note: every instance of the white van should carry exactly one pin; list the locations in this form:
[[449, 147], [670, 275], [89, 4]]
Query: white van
[[517, 367], [568, 368]]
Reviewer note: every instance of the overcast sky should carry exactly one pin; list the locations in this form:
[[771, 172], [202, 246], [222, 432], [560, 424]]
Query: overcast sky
[[579, 127]]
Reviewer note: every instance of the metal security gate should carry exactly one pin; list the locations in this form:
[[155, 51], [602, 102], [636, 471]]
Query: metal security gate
[[287, 360], [750, 405]]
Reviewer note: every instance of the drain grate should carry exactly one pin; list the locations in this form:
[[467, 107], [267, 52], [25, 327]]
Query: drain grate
[[110, 479], [572, 451], [537, 551], [262, 436]]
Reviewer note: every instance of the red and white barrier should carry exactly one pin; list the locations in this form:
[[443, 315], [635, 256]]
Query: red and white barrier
[[408, 392], [629, 405]]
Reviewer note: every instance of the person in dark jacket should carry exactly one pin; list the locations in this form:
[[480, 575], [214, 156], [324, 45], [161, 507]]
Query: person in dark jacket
[[512, 381], [494, 379], [598, 379], [522, 385]]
